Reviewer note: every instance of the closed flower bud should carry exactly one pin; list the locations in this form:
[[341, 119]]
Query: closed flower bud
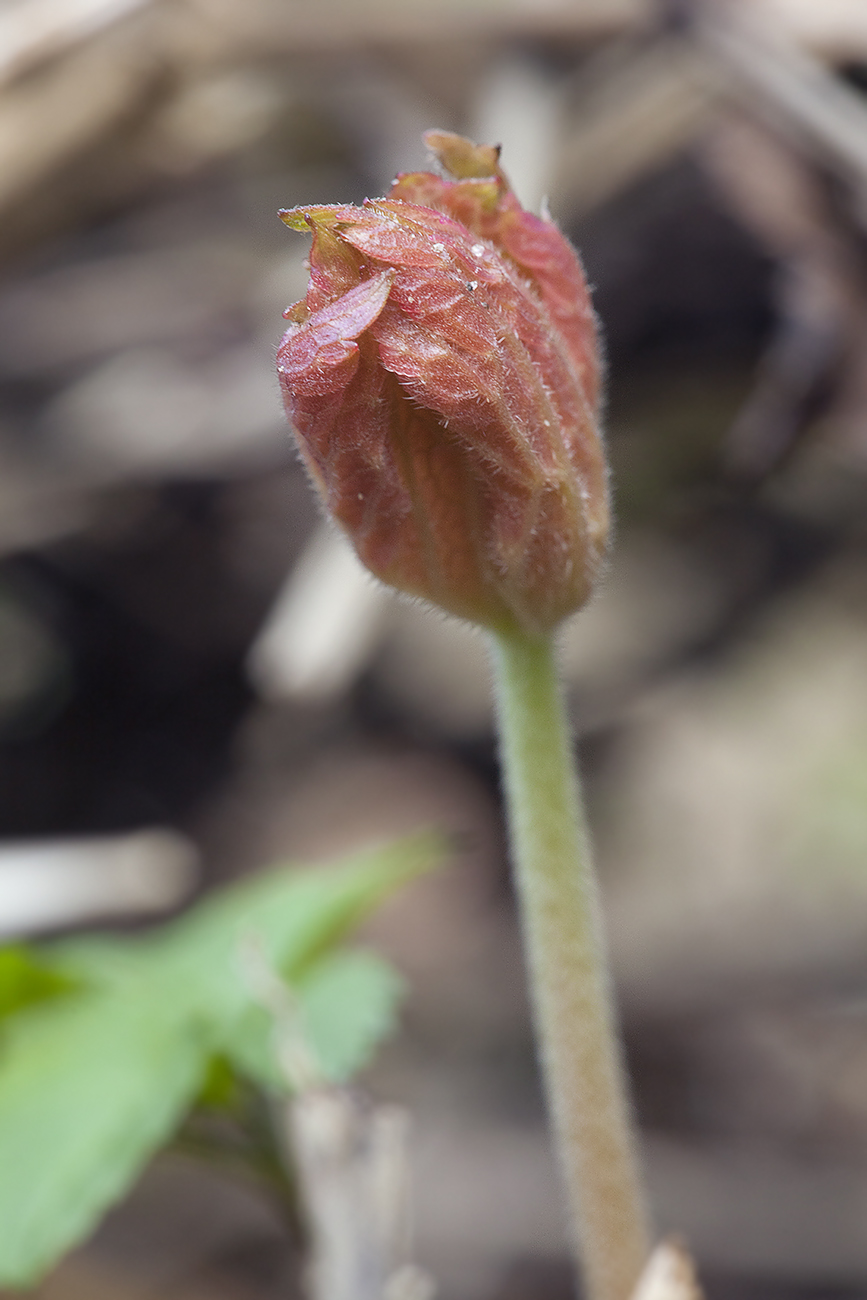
[[442, 375]]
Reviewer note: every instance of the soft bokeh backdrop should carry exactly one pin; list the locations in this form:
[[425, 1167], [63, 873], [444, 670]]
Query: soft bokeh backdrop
[[196, 680]]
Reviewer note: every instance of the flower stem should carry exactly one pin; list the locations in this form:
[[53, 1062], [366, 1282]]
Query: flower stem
[[572, 1003]]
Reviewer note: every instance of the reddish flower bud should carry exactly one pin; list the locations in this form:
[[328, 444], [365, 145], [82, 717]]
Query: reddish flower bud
[[442, 375]]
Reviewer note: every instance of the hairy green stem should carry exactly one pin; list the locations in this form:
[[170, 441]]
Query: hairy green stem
[[572, 1003]]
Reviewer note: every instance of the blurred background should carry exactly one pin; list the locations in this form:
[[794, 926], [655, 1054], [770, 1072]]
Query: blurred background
[[195, 680]]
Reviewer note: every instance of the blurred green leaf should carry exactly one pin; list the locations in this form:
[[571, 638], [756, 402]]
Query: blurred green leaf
[[346, 1005], [89, 1088], [92, 1084], [349, 1005], [219, 1086], [25, 980]]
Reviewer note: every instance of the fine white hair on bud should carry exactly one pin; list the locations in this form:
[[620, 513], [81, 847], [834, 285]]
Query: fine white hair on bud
[[442, 374]]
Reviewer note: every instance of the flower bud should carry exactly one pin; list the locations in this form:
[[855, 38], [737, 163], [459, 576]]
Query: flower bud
[[442, 376]]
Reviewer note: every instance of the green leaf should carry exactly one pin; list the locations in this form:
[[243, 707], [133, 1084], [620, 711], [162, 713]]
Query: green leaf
[[26, 981], [93, 1083], [294, 916], [349, 1005], [89, 1088], [219, 1087], [346, 1004]]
